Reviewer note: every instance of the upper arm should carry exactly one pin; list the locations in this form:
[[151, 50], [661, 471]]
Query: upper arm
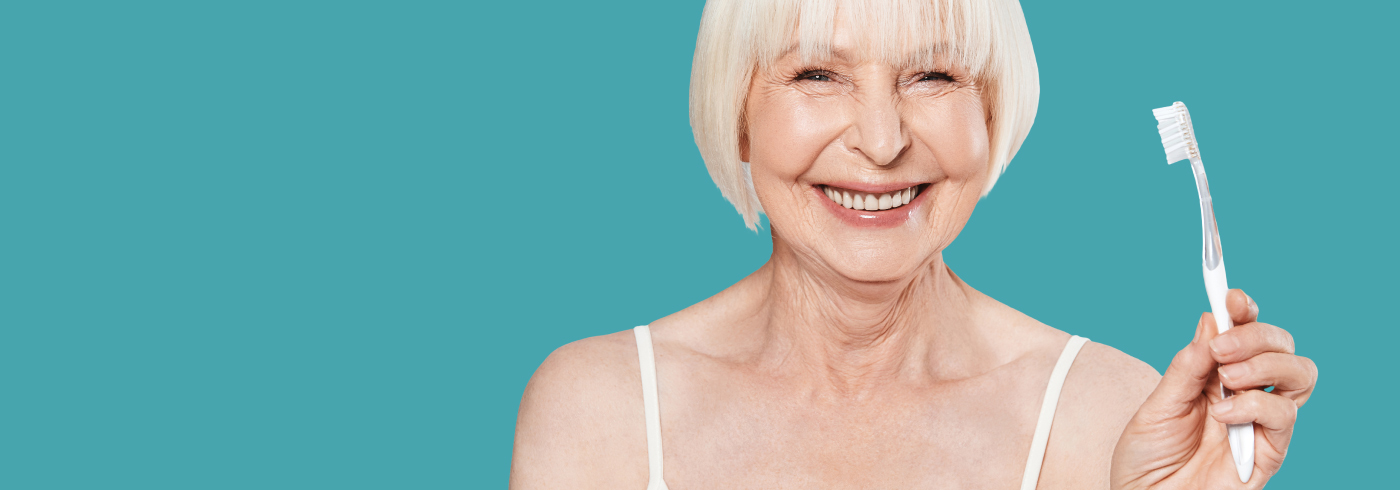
[[1105, 387], [581, 423]]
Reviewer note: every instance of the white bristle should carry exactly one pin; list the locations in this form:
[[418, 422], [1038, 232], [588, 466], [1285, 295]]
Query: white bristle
[[1178, 138]]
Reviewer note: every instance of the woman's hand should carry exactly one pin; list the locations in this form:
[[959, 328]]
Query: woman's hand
[[1178, 438]]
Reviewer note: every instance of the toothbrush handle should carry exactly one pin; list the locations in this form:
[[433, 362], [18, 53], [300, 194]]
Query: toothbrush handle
[[1241, 435]]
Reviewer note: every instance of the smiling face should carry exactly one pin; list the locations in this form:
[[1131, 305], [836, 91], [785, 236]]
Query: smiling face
[[868, 132]]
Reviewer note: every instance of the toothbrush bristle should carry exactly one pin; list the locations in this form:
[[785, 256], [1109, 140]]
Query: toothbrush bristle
[[1178, 138]]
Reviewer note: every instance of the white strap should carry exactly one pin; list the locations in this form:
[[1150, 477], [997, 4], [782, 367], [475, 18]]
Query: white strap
[[1031, 476], [647, 359]]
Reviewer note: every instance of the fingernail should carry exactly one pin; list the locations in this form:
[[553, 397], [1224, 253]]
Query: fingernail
[[1253, 307], [1233, 371], [1224, 344], [1222, 407]]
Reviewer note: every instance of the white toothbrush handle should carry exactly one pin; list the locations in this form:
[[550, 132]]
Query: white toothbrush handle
[[1241, 435]]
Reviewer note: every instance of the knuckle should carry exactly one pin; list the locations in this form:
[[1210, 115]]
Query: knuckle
[[1277, 337], [1246, 400], [1183, 357], [1263, 371], [1310, 368], [1177, 363], [1267, 406], [1179, 358], [1289, 410]]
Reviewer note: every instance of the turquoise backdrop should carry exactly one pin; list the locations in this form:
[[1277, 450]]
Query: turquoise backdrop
[[324, 244]]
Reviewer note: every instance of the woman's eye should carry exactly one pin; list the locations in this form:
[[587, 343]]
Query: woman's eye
[[935, 76], [816, 76]]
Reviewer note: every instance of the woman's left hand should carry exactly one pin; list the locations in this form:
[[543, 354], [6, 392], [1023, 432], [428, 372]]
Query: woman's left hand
[[1178, 438]]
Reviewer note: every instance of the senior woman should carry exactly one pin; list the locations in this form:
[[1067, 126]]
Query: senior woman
[[855, 358]]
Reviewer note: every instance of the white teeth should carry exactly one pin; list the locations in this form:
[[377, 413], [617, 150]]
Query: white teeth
[[862, 201]]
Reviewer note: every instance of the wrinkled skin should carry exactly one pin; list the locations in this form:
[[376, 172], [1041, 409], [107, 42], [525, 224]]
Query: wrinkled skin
[[1178, 438], [855, 358]]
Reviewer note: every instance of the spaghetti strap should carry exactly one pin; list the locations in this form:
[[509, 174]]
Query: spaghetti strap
[[647, 359], [1031, 476]]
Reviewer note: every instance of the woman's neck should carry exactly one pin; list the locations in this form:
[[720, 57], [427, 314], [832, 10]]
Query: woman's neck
[[856, 336]]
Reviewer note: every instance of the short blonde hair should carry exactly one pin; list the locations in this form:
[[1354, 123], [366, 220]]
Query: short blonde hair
[[987, 37]]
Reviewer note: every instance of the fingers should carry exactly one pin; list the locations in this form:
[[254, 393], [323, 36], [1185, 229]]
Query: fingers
[[1242, 307], [1249, 340], [1275, 414], [1292, 377], [1187, 375]]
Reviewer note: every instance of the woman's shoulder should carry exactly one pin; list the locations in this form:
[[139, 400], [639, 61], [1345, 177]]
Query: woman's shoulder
[[1103, 391], [1105, 384], [596, 373], [588, 368], [1101, 365], [581, 416], [602, 370], [1096, 365]]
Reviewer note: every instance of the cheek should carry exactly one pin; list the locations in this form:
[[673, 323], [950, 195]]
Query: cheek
[[956, 134], [786, 134]]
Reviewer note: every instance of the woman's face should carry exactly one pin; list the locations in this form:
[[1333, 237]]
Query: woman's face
[[864, 128]]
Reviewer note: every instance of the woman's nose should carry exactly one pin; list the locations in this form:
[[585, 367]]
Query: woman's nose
[[878, 132]]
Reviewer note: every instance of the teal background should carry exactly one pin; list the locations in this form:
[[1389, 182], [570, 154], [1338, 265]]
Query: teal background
[[325, 244]]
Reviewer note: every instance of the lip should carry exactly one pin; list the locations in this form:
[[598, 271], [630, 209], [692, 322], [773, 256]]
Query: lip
[[871, 188], [873, 219]]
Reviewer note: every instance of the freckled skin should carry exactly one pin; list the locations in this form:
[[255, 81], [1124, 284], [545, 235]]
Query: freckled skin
[[856, 358]]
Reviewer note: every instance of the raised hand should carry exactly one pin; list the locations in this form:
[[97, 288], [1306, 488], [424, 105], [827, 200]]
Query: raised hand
[[1178, 438]]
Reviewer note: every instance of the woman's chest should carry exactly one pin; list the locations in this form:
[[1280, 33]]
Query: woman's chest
[[944, 438]]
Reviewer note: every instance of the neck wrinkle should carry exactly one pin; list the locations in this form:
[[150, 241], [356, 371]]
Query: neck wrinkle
[[859, 336]]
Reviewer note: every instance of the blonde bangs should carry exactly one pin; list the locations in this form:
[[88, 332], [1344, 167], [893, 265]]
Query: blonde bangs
[[902, 32], [987, 38]]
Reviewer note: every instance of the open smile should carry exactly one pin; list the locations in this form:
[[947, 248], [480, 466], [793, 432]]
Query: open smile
[[871, 201], [873, 207]]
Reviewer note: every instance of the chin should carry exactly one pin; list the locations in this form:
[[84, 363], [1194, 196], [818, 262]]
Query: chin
[[883, 264]]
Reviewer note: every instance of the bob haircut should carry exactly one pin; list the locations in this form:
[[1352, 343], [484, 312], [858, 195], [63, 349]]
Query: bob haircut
[[988, 38]]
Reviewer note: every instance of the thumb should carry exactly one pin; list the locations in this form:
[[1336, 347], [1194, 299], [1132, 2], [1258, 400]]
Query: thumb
[[1187, 375]]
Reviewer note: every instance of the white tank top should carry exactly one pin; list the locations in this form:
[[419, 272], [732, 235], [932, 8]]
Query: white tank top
[[1029, 477]]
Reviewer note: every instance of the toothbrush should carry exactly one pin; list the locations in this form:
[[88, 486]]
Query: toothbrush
[[1179, 140]]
